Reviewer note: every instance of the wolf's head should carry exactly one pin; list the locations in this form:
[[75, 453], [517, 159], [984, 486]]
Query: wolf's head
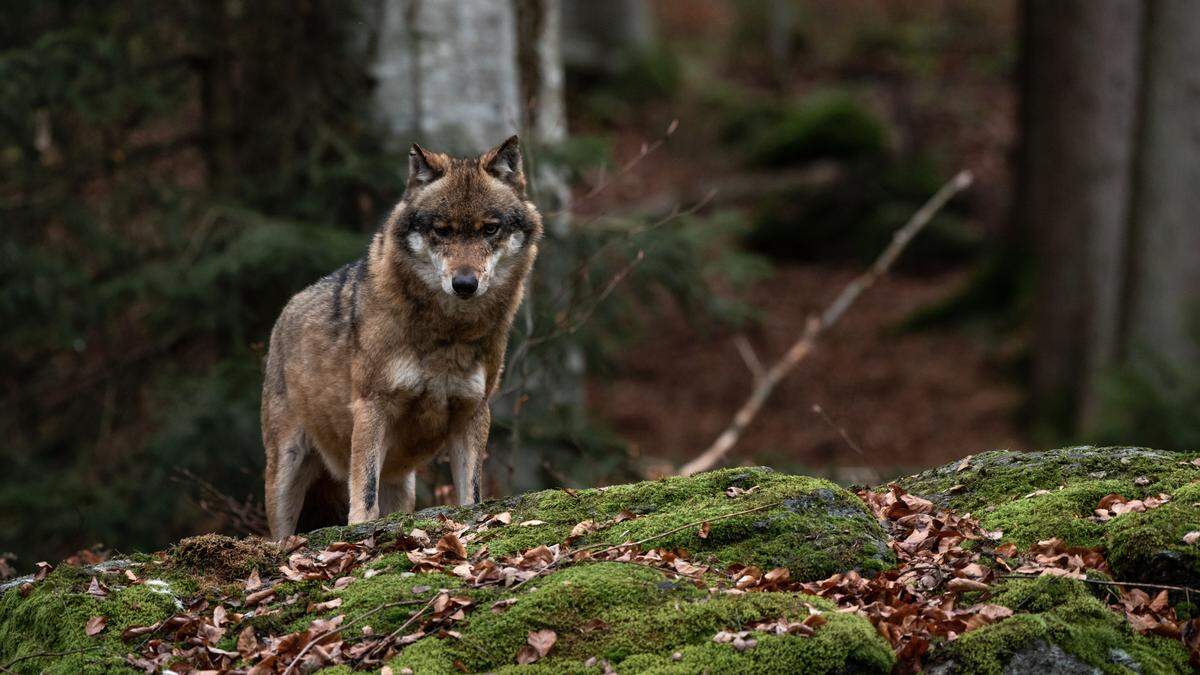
[[465, 225]]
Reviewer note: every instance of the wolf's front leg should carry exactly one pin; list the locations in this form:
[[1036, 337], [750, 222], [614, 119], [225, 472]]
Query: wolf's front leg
[[368, 450], [466, 448]]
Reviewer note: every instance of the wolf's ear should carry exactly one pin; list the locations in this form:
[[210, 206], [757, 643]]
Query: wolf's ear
[[423, 167], [504, 162]]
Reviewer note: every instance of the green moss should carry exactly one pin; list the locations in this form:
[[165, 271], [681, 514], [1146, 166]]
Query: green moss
[[1062, 612], [827, 125], [1149, 546], [53, 616], [996, 486], [645, 619], [818, 529]]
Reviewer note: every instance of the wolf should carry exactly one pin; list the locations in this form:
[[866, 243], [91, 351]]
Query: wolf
[[392, 359]]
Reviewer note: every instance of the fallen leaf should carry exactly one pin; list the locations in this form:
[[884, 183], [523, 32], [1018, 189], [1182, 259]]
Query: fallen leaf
[[95, 625], [247, 643], [959, 585], [531, 523], [542, 640], [97, 589], [1191, 537], [705, 528], [451, 545]]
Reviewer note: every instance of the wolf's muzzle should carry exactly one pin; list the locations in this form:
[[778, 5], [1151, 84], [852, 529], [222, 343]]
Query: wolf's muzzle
[[464, 283]]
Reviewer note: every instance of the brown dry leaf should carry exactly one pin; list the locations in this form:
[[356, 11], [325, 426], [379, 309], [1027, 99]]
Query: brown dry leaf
[[1191, 537], [624, 515], [259, 596], [542, 640], [705, 528], [247, 643], [531, 523], [254, 580], [501, 605], [95, 625], [325, 606], [96, 589], [452, 546], [503, 518], [963, 464], [959, 585], [582, 529], [43, 569]]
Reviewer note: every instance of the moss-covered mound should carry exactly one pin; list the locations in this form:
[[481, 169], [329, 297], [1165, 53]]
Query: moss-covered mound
[[633, 617], [1059, 626], [200, 604], [809, 525], [1033, 496]]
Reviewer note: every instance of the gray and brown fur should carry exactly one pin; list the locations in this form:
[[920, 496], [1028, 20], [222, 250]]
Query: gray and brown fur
[[381, 365]]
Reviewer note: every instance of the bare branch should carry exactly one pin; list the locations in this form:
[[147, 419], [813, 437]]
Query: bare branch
[[749, 356], [819, 324]]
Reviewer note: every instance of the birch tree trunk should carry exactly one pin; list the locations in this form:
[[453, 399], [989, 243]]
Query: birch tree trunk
[[446, 73], [1163, 293]]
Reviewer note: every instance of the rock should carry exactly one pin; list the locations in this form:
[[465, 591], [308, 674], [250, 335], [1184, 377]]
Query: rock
[[1031, 496], [632, 617]]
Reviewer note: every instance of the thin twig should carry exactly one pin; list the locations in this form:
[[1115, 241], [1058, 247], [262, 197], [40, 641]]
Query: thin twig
[[646, 150], [1107, 582], [7, 668], [748, 354], [396, 633], [344, 626], [841, 430], [817, 325]]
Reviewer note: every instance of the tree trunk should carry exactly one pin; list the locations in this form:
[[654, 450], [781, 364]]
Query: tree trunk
[[1163, 293], [1080, 100], [446, 73], [597, 31]]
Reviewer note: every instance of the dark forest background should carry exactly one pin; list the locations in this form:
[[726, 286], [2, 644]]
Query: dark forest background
[[713, 171]]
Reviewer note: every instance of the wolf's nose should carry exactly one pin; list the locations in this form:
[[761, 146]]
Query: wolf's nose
[[465, 283]]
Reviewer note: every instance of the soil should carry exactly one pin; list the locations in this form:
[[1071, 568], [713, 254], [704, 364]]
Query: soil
[[904, 399]]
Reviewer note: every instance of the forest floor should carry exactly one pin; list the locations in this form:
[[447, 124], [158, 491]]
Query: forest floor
[[904, 399]]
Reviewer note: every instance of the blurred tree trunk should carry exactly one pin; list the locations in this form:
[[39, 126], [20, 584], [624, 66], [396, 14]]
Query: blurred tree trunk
[[1079, 115], [460, 77], [446, 72], [1111, 191], [596, 32], [1163, 292]]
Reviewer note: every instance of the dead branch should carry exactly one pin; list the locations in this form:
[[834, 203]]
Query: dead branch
[[817, 325], [361, 617]]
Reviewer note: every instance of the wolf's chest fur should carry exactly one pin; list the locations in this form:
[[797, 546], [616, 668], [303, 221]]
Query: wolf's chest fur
[[429, 393]]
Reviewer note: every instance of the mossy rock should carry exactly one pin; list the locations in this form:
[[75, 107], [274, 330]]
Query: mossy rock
[[1060, 627], [1031, 496], [809, 525]]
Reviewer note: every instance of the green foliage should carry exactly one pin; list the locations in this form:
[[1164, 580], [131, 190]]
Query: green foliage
[[829, 125], [856, 215], [1153, 400], [165, 187]]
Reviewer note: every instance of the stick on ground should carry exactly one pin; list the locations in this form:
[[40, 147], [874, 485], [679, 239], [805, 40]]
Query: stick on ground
[[817, 325]]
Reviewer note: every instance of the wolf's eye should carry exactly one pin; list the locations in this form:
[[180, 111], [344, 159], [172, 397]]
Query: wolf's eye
[[491, 228], [442, 231]]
